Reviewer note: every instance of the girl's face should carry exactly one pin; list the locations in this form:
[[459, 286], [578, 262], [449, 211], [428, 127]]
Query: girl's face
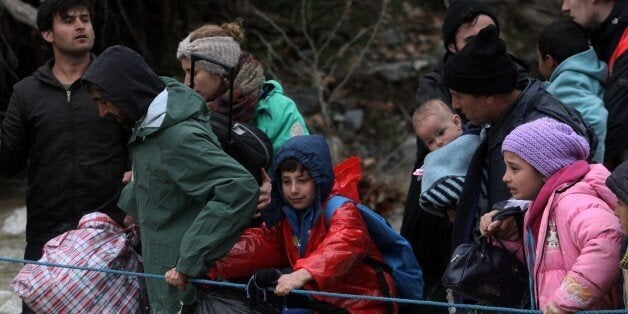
[[523, 181], [299, 189], [207, 84]]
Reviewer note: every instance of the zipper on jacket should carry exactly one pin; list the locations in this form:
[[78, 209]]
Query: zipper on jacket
[[68, 94]]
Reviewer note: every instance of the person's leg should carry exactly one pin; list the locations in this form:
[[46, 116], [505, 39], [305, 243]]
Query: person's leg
[[32, 252]]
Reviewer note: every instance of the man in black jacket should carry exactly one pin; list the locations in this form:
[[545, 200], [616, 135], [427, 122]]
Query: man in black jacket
[[607, 22], [483, 84], [429, 234], [75, 161]]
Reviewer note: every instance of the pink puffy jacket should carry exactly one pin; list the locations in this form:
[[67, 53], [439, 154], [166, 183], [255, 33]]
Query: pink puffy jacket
[[576, 240]]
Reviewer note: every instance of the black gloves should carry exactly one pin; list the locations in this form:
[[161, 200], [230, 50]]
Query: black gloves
[[256, 288]]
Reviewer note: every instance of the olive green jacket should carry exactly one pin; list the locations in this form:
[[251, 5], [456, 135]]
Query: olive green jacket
[[192, 200]]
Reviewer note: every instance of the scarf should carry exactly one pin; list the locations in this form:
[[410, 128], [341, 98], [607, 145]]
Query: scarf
[[569, 174], [247, 85]]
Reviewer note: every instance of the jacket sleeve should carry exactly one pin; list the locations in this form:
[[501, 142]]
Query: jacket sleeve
[[346, 245], [287, 121], [596, 232], [127, 201], [578, 94], [14, 142], [431, 87], [201, 169], [257, 248]]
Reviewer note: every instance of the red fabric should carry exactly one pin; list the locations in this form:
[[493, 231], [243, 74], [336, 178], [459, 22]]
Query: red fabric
[[619, 50], [334, 255], [99, 243]]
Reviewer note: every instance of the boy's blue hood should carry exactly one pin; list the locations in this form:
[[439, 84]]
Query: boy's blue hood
[[312, 152]]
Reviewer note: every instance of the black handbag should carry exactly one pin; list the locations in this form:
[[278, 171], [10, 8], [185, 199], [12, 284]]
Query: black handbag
[[486, 273]]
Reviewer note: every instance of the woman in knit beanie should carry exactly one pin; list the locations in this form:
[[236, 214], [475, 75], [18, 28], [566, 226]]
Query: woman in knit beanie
[[571, 236], [254, 101]]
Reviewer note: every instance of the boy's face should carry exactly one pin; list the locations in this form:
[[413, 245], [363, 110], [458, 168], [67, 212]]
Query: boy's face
[[72, 33], [438, 130], [523, 181], [621, 211], [299, 189]]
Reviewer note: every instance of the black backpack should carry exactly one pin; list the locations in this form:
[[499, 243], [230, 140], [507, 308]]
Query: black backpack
[[247, 144]]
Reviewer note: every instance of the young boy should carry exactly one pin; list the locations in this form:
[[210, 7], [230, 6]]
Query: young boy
[[575, 75], [332, 255], [618, 183], [443, 172]]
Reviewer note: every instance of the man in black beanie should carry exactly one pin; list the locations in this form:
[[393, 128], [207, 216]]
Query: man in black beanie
[[429, 234], [484, 86]]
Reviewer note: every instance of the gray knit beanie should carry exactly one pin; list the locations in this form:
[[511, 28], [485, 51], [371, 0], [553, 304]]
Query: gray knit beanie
[[221, 48]]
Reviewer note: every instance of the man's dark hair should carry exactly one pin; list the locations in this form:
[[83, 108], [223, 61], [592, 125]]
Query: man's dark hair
[[562, 39], [49, 8]]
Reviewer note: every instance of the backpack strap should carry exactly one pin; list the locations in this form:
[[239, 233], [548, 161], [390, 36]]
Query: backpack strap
[[332, 204], [622, 47]]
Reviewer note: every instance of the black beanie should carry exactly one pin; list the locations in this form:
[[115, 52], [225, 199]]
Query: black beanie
[[459, 12], [482, 67]]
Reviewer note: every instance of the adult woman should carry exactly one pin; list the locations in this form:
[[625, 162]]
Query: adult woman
[[256, 101]]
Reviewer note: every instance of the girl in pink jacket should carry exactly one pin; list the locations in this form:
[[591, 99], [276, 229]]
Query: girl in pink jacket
[[571, 239]]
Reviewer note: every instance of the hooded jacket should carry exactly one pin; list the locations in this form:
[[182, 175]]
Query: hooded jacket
[[74, 160], [604, 39], [192, 200], [334, 254], [278, 116], [578, 82], [573, 240]]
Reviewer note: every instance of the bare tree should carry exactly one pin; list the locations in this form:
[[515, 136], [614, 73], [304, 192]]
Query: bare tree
[[321, 57], [21, 11]]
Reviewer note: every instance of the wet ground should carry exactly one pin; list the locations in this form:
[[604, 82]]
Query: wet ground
[[12, 242]]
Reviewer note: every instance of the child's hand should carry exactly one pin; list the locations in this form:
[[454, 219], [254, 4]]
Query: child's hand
[[295, 280], [264, 192]]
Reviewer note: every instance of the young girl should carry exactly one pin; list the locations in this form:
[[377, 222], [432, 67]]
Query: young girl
[[570, 233]]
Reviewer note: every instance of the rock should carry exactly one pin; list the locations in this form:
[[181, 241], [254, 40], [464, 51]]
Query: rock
[[398, 71], [353, 119]]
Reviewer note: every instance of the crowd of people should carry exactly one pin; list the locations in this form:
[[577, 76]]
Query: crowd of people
[[107, 134]]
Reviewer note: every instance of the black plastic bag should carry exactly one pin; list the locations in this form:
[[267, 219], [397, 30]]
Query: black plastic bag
[[225, 301], [486, 273]]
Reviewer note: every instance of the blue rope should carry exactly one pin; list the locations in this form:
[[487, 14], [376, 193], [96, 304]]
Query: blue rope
[[301, 292]]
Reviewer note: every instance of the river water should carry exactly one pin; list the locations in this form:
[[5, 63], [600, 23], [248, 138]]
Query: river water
[[12, 242]]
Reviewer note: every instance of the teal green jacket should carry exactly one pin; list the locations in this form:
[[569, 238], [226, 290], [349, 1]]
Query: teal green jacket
[[278, 117], [192, 200]]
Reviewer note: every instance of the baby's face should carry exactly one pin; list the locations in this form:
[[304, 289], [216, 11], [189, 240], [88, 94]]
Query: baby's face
[[438, 130]]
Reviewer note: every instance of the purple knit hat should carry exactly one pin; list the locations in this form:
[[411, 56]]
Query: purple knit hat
[[547, 145]]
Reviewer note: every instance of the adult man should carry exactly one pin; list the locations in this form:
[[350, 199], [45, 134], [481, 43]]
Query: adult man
[[483, 84], [607, 21], [75, 161], [430, 235], [192, 200]]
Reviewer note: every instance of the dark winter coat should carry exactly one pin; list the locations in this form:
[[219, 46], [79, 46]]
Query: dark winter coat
[[533, 103], [604, 39], [74, 159]]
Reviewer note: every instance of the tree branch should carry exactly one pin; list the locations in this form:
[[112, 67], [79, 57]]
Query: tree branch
[[362, 52], [21, 11]]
